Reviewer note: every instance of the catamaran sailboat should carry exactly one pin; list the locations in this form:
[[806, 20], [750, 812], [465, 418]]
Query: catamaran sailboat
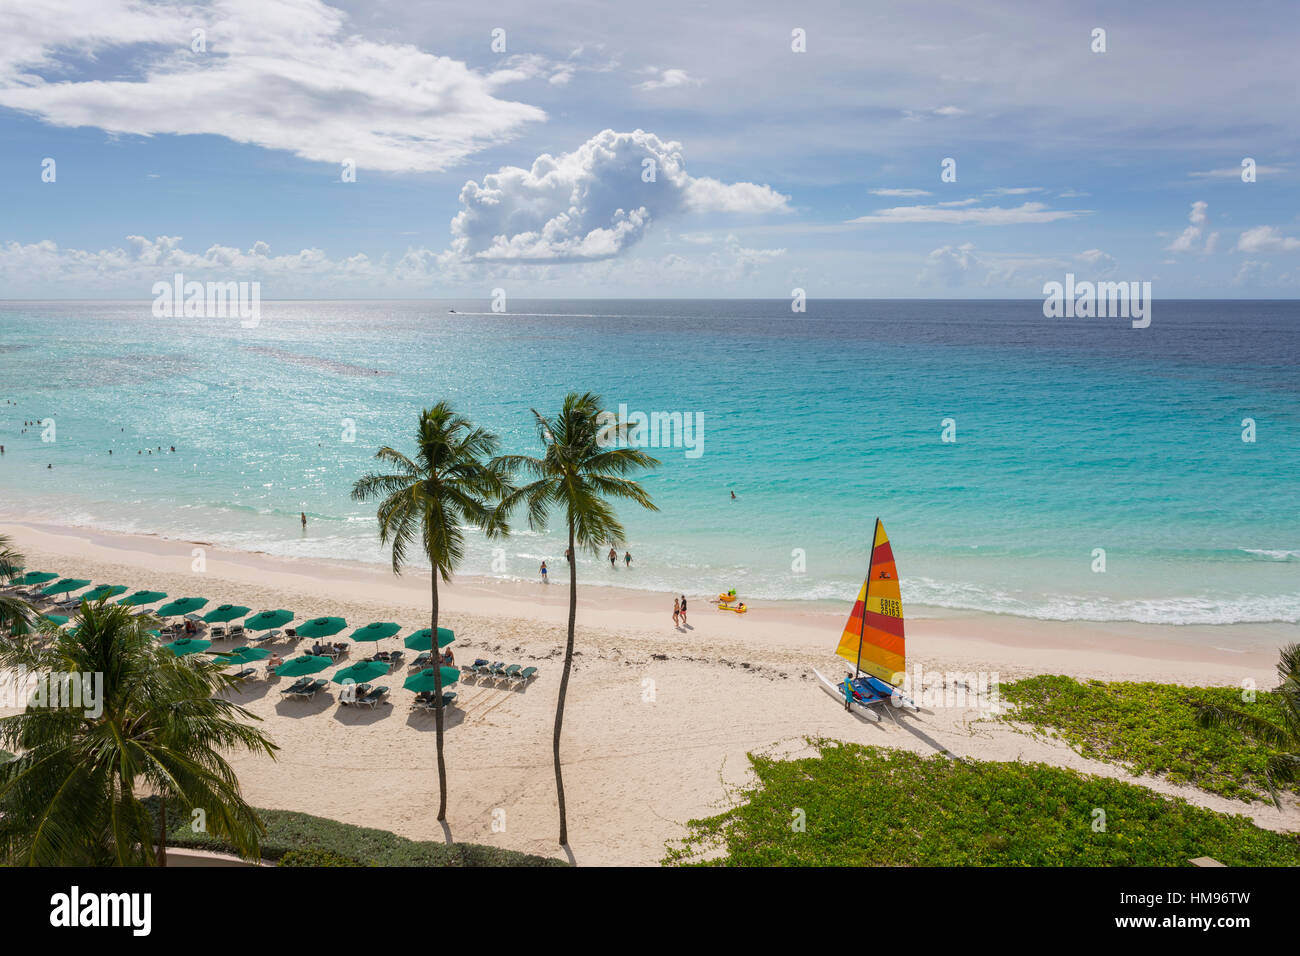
[[873, 638]]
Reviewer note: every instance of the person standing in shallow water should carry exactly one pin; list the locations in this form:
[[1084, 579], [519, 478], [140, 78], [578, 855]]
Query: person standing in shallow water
[[627, 559], [544, 581], [613, 557], [303, 515]]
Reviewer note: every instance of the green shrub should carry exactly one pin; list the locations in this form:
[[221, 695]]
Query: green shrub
[[288, 831], [1148, 728], [315, 857], [867, 806]]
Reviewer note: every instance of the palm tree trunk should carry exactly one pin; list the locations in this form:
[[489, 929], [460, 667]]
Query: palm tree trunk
[[564, 683], [437, 709], [162, 831]]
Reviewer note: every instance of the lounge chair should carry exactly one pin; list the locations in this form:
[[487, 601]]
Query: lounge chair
[[236, 630], [496, 670], [421, 660], [218, 632], [473, 670], [373, 697], [525, 675], [353, 693], [245, 674], [296, 686], [511, 672], [314, 688]]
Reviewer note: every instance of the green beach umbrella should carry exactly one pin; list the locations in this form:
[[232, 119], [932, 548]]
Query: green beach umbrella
[[422, 682], [419, 641], [181, 606], [59, 619], [187, 645], [321, 627], [375, 632], [142, 597], [224, 613], [36, 577], [266, 620], [304, 665], [245, 655], [104, 591], [67, 584], [362, 673]]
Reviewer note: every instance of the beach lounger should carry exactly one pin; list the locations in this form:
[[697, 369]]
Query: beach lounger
[[218, 632], [511, 672], [525, 675], [421, 660], [236, 630], [353, 693], [498, 669], [474, 670], [312, 689], [373, 697], [296, 686], [245, 674]]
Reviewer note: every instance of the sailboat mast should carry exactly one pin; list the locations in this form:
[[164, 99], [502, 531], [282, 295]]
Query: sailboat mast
[[866, 594]]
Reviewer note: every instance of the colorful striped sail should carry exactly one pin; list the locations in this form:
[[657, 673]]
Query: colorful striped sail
[[873, 636]]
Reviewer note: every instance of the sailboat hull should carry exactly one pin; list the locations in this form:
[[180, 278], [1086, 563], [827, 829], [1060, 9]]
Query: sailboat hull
[[836, 690]]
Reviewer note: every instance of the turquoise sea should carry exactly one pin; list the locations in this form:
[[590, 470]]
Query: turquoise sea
[[1071, 435]]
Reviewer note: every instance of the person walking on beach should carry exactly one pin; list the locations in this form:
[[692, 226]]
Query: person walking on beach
[[683, 608], [303, 515], [544, 581], [627, 555], [613, 557], [677, 612]]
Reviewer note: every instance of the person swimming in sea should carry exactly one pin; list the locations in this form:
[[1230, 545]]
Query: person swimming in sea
[[627, 555], [733, 496]]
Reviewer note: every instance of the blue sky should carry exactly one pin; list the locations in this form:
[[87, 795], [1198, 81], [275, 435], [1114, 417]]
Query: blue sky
[[523, 168]]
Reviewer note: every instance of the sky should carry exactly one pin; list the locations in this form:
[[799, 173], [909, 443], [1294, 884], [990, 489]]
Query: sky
[[580, 149]]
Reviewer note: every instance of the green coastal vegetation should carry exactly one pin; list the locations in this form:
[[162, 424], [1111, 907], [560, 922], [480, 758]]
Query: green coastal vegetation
[[300, 839], [854, 805], [1209, 737]]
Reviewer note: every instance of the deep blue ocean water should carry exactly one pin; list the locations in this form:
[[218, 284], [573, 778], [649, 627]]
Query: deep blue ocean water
[[1071, 435]]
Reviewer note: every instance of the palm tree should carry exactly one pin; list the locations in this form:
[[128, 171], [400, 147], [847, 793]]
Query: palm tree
[[1283, 736], [451, 483], [72, 796], [581, 466], [15, 613]]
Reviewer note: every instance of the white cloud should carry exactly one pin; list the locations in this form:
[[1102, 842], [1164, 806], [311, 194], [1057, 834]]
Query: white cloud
[[280, 74], [1189, 240], [1013, 190], [592, 203], [1026, 213], [951, 265], [667, 79], [1235, 173], [1266, 239], [902, 193]]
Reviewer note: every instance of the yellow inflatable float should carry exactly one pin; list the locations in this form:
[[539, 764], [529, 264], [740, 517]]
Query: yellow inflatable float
[[738, 608]]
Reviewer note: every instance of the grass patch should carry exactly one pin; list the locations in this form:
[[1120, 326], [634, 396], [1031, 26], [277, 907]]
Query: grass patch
[[1149, 728], [867, 806], [317, 841]]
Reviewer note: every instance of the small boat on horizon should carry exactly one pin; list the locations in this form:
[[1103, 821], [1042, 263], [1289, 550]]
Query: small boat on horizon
[[873, 638]]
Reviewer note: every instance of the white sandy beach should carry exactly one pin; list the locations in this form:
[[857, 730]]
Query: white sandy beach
[[659, 720]]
